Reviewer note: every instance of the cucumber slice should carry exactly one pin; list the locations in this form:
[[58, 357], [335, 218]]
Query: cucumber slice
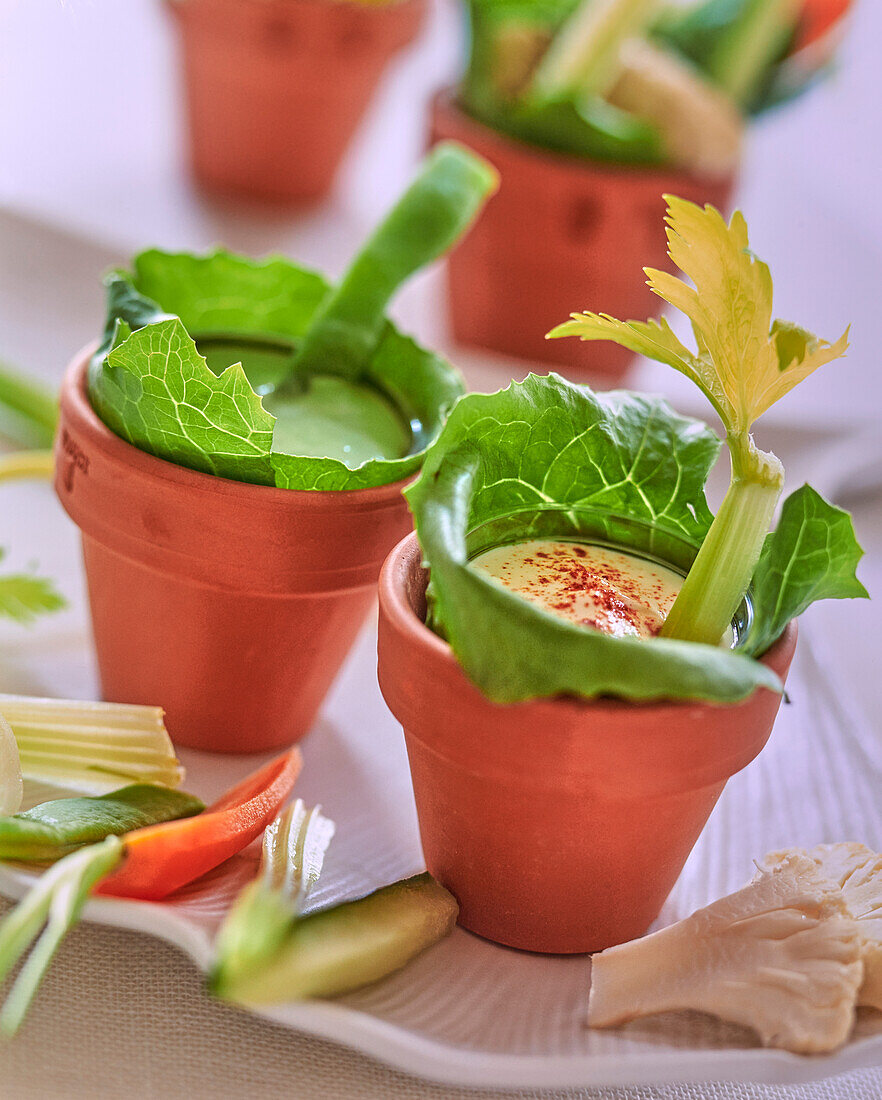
[[346, 947]]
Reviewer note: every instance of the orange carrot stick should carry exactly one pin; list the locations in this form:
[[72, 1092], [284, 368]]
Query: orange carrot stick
[[159, 859]]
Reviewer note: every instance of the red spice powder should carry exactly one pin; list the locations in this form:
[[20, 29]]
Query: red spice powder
[[619, 598]]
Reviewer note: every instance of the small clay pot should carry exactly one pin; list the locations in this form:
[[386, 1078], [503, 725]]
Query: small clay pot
[[276, 88], [231, 605], [561, 235], [560, 825]]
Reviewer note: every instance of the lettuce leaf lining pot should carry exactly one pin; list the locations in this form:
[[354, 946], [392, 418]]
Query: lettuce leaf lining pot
[[231, 605], [561, 234], [560, 825], [276, 89]]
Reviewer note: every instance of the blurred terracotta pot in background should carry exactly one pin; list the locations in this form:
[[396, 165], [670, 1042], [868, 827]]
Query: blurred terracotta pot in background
[[231, 605], [560, 825], [561, 235], [276, 88]]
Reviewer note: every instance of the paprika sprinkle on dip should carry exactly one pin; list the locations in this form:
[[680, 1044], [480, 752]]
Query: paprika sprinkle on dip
[[594, 586]]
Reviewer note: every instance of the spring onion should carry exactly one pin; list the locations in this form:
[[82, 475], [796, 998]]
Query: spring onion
[[56, 899]]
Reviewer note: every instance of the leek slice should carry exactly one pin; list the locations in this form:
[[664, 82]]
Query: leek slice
[[90, 748]]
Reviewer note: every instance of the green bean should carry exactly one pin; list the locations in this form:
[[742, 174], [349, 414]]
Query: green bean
[[434, 212], [53, 829]]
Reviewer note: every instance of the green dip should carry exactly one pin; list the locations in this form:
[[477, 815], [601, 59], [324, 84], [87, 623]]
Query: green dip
[[330, 418]]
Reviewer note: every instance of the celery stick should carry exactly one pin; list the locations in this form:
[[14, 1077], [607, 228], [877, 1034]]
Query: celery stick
[[746, 49], [744, 362], [583, 57], [91, 748]]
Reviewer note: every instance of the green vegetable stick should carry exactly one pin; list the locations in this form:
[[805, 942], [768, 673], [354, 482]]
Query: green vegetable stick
[[59, 895], [583, 58], [753, 42], [350, 945], [54, 829], [35, 404], [429, 218]]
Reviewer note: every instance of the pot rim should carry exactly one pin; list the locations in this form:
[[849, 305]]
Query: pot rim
[[78, 409], [401, 615], [444, 103]]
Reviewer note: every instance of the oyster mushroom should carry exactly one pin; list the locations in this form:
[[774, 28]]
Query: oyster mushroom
[[857, 871], [781, 956]]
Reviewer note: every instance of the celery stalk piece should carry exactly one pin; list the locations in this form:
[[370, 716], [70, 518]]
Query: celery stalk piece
[[260, 920], [57, 898], [754, 41], [745, 362], [20, 465], [11, 787], [583, 57], [91, 748], [30, 401]]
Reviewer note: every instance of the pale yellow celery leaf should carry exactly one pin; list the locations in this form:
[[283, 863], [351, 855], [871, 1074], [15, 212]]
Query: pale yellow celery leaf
[[654, 339], [730, 307], [817, 354], [745, 362], [730, 303]]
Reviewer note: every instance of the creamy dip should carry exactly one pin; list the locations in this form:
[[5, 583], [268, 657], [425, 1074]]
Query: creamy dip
[[593, 586]]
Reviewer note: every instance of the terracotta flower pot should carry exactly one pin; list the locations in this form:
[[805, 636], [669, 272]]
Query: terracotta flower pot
[[561, 825], [231, 605], [561, 234], [276, 88]]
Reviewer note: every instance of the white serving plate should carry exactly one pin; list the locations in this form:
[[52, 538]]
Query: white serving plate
[[469, 1012]]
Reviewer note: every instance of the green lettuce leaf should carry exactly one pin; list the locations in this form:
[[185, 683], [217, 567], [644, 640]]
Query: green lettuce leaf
[[150, 384], [547, 457], [223, 292], [811, 555], [155, 390], [23, 596]]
